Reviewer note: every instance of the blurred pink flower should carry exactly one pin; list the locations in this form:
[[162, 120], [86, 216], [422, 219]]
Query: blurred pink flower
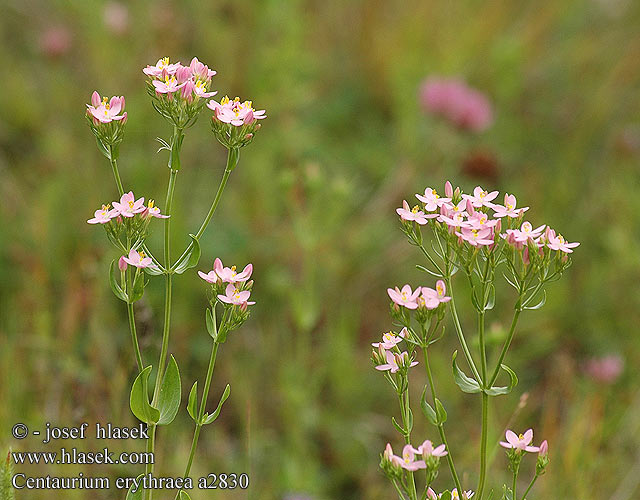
[[137, 259], [390, 340], [153, 211], [235, 297], [520, 442], [426, 449], [55, 41], [466, 495], [408, 459], [116, 17], [405, 297], [544, 448], [201, 71], [606, 369], [453, 99], [396, 361]]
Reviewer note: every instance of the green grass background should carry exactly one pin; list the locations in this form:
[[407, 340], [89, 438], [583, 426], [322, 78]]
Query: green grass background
[[312, 206]]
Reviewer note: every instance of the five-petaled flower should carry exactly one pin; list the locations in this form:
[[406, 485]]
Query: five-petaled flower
[[408, 459], [396, 361], [235, 112], [235, 297], [106, 110], [480, 197], [230, 275], [559, 243], [432, 199], [405, 297], [390, 340], [520, 442], [128, 206], [103, 215], [138, 259], [162, 67], [413, 214], [426, 449]]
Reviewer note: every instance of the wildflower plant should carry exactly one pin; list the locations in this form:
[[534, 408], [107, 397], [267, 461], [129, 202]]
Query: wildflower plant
[[476, 239], [179, 94]]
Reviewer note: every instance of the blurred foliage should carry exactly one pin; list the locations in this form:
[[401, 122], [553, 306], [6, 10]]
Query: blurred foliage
[[312, 206]]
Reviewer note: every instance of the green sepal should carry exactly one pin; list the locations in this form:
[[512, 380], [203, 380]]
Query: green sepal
[[139, 399], [497, 391], [466, 384], [209, 419], [115, 286], [138, 288], [441, 412], [170, 394], [446, 495], [192, 404], [539, 304], [192, 258], [400, 429], [138, 494], [211, 324]]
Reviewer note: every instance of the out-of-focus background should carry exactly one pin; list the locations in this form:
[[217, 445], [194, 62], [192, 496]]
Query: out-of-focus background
[[312, 206]]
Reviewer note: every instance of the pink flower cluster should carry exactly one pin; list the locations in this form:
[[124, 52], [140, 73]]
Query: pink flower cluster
[[191, 81], [420, 297], [104, 110], [127, 207], [454, 100], [408, 459], [235, 112], [477, 220], [234, 294]]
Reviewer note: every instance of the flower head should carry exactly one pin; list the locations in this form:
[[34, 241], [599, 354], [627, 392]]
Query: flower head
[[390, 340], [235, 112], [432, 200], [405, 297], [153, 211], [509, 209], [104, 110], [520, 442], [236, 297], [137, 259], [408, 459], [162, 67], [103, 215], [557, 242], [128, 206], [396, 362], [480, 197], [426, 449], [413, 214], [229, 274], [476, 237]]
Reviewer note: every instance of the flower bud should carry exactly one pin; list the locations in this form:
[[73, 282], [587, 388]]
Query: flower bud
[[544, 448], [122, 264], [448, 189]]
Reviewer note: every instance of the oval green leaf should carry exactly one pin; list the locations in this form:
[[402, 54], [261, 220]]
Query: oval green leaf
[[139, 399], [192, 258], [466, 384], [211, 418], [170, 394]]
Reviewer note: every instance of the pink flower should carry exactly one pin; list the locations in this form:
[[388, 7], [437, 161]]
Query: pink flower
[[404, 297], [56, 41], [433, 298], [137, 259], [169, 85], [408, 459], [476, 237], [128, 205], [431, 495], [235, 112], [559, 243], [389, 340], [606, 369], [105, 111], [432, 200], [413, 214], [235, 297], [480, 197], [210, 277], [426, 449], [153, 211], [122, 264], [466, 495], [396, 361], [103, 215], [116, 17], [229, 274], [509, 208], [161, 68], [544, 448], [390, 457], [480, 220], [525, 233], [520, 442], [454, 100], [201, 71]]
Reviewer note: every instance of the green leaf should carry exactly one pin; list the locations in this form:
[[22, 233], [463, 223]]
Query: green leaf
[[192, 405], [138, 287], [539, 304], [429, 271], [115, 286], [211, 324], [445, 495], [466, 384], [154, 270], [170, 394], [491, 301], [139, 400], [209, 419], [138, 494], [497, 391], [400, 429], [192, 258], [103, 149], [184, 495], [441, 412], [427, 410]]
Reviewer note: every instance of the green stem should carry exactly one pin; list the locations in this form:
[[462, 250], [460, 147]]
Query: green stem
[[516, 469], [533, 481], [505, 347], [148, 493], [458, 326], [449, 455], [232, 161], [483, 445], [116, 173], [405, 408], [134, 337]]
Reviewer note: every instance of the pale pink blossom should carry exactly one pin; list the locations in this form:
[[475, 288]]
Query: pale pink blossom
[[606, 369], [104, 110], [480, 220], [448, 189], [413, 214], [544, 448], [235, 297], [201, 71], [466, 495], [480, 197], [396, 361], [137, 259], [169, 85], [390, 340], [122, 263], [408, 459], [559, 243], [210, 277], [162, 67], [128, 206], [431, 495], [230, 275], [520, 442], [426, 449], [390, 457], [432, 200], [525, 233], [476, 237], [56, 41], [116, 17], [103, 215], [509, 209], [405, 297], [153, 211], [235, 112]]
